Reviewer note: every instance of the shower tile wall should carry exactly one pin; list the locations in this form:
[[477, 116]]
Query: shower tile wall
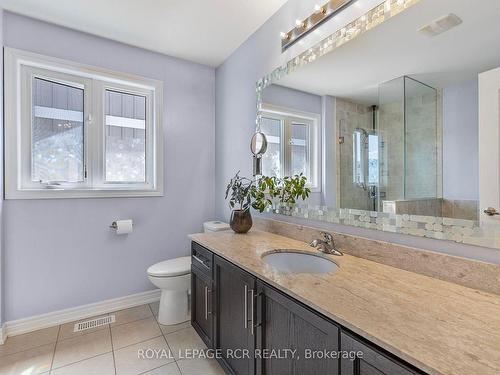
[[421, 141], [350, 116], [451, 208], [460, 209]]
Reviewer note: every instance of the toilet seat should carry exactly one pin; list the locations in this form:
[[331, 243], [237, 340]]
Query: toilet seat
[[170, 268]]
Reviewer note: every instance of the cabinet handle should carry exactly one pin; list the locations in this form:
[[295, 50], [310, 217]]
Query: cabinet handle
[[252, 326], [206, 302], [246, 306], [200, 261]]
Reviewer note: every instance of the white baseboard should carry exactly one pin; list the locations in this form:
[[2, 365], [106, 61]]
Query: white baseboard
[[3, 334], [17, 327]]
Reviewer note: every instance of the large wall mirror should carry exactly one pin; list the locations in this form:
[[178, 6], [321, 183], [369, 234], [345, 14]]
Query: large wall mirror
[[396, 129]]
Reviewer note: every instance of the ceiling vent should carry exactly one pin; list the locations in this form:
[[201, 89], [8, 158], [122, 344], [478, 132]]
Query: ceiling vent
[[441, 25]]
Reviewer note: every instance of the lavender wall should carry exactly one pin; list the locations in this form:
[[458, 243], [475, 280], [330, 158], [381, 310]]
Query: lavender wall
[[293, 99], [61, 253], [235, 122]]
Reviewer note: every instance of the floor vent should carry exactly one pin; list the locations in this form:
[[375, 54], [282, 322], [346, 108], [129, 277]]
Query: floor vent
[[94, 323]]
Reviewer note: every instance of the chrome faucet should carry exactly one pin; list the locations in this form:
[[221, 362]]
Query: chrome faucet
[[326, 245]]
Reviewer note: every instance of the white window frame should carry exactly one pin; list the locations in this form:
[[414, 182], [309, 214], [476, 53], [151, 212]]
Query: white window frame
[[20, 68], [287, 117]]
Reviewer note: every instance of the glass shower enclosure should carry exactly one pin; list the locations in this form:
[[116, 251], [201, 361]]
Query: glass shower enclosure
[[389, 151], [409, 147]]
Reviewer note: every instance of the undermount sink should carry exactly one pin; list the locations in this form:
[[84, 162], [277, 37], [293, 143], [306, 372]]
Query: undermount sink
[[298, 261]]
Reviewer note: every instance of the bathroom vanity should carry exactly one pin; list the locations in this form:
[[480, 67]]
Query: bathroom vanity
[[401, 322], [239, 313]]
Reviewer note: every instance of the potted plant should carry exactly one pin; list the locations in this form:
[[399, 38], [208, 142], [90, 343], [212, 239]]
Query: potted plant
[[240, 199], [286, 190], [244, 193]]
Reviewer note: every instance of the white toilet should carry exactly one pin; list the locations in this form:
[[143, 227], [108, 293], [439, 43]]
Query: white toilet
[[173, 277]]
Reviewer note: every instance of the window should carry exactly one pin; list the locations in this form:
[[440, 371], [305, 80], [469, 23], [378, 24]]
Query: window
[[272, 159], [125, 137], [365, 158], [373, 163], [293, 144], [359, 137], [57, 135], [78, 131]]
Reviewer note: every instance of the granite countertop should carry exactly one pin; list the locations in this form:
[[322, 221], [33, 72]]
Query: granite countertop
[[437, 326]]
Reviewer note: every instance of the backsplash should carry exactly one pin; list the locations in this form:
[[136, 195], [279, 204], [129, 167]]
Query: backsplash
[[466, 272]]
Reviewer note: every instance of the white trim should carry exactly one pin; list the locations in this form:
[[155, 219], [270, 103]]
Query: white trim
[[3, 334], [125, 122], [53, 193], [33, 323]]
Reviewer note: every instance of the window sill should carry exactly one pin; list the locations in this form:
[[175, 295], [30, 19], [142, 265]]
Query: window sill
[[75, 193]]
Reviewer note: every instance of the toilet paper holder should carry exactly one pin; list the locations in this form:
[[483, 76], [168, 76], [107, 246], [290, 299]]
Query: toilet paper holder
[[114, 225]]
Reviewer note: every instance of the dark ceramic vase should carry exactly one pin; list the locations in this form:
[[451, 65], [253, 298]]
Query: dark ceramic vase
[[241, 221]]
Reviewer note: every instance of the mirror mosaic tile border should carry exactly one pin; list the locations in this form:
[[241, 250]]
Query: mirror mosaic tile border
[[442, 228]]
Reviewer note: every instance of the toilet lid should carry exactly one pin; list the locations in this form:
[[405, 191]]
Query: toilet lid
[[171, 267]]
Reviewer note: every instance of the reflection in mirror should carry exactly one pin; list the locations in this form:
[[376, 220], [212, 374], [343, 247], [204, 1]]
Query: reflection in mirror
[[271, 160], [386, 128], [258, 145], [293, 136]]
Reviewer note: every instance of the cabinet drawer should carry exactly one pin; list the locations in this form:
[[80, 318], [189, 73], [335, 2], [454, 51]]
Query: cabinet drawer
[[202, 304], [284, 323], [372, 362], [202, 258]]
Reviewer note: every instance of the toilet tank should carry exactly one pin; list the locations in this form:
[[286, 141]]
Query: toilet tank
[[215, 226]]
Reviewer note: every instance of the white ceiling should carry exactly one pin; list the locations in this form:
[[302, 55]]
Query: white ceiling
[[204, 31], [395, 48]]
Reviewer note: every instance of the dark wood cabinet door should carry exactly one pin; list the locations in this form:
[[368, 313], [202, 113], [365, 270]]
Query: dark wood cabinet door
[[201, 305], [285, 324], [371, 362], [234, 318]]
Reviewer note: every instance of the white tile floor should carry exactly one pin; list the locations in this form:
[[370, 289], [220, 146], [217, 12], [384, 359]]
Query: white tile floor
[[107, 350]]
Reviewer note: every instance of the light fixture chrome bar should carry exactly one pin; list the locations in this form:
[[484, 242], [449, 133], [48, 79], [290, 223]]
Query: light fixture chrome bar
[[321, 14]]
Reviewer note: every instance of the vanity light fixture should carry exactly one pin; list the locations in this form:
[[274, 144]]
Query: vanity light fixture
[[300, 24], [321, 14], [320, 9]]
